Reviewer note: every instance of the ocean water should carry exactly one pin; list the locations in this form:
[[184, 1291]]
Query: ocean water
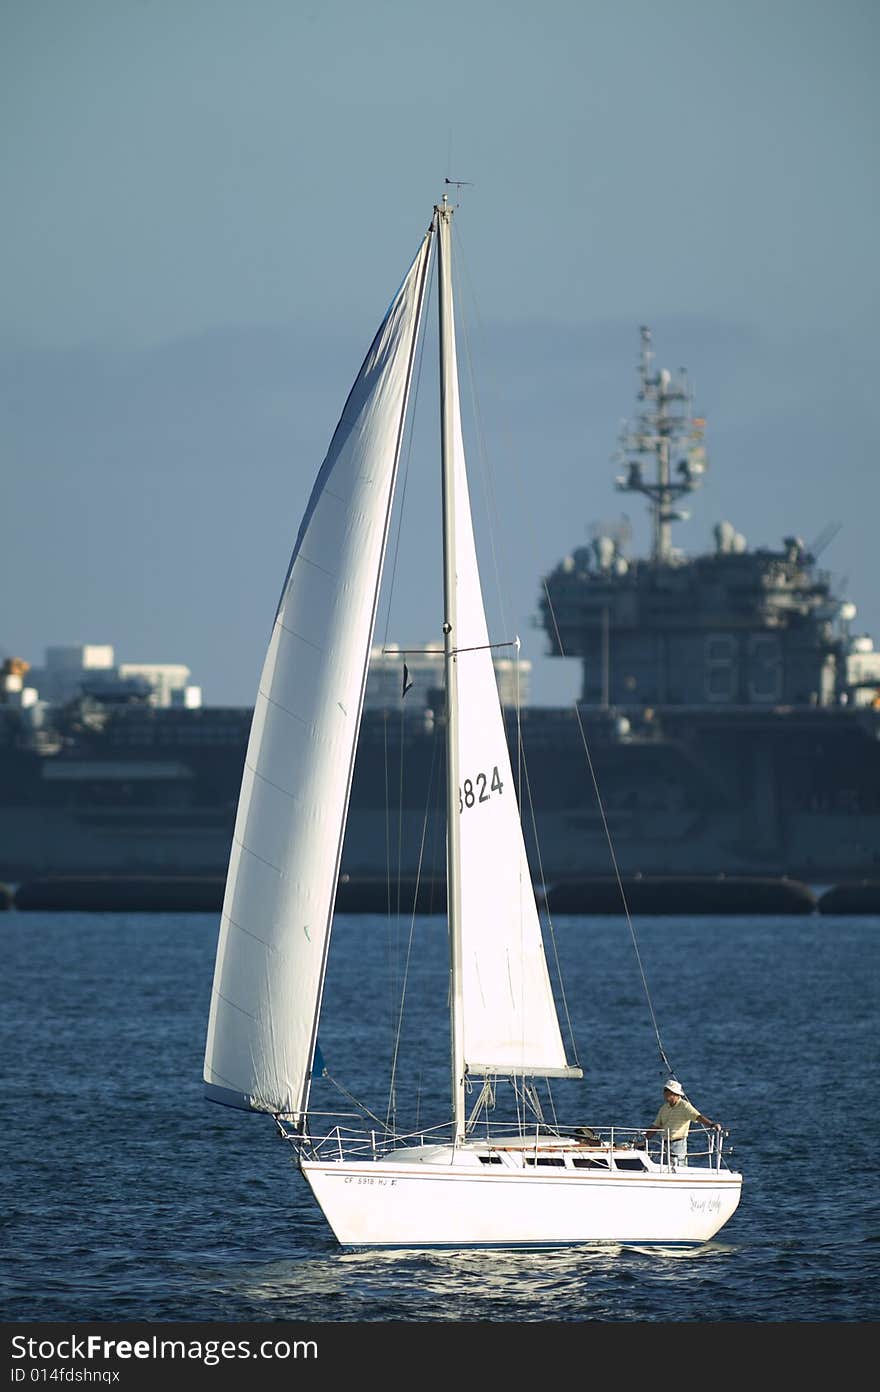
[[127, 1197]]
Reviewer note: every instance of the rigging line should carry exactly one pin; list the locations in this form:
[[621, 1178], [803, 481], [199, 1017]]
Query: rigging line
[[485, 647], [396, 1050], [552, 1104], [559, 974], [519, 749], [522, 762], [351, 1097], [535, 1101], [517, 474], [412, 416], [391, 943], [401, 751], [387, 818], [438, 652], [486, 472], [490, 493], [391, 938], [512, 453], [438, 838], [611, 850], [523, 857], [393, 947], [394, 882]]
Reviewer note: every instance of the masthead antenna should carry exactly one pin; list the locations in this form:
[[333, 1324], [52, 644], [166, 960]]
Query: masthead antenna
[[458, 184]]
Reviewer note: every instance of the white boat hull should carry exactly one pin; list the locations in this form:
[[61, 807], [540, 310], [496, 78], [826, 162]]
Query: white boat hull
[[388, 1204]]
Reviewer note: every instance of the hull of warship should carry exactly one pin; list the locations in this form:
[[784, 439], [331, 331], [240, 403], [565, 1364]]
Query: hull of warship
[[685, 792]]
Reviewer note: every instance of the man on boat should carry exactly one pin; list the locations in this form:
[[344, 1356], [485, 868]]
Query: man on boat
[[674, 1118]]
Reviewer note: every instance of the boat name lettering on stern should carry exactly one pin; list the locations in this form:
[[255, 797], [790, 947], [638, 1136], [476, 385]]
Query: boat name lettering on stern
[[709, 1205]]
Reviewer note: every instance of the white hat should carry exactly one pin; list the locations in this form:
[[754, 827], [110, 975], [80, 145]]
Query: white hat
[[671, 1085]]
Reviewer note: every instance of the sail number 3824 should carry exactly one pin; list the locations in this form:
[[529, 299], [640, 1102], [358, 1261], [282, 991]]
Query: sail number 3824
[[479, 789]]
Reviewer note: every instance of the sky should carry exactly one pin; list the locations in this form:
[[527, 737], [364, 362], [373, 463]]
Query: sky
[[209, 204]]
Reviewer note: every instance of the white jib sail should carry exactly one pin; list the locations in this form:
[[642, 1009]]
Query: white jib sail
[[510, 1023], [291, 815]]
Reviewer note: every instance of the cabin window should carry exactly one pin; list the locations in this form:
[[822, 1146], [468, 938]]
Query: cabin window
[[583, 1162], [490, 1159], [627, 1163], [545, 1160]]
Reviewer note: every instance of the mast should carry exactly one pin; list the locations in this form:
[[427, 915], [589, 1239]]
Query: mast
[[453, 850], [664, 424]]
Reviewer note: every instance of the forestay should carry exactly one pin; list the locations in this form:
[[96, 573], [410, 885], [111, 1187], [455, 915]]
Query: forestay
[[510, 1025], [291, 816]]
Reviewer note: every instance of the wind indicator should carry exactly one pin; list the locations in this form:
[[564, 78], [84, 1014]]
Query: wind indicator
[[458, 184]]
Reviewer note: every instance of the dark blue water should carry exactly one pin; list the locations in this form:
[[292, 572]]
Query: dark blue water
[[128, 1197]]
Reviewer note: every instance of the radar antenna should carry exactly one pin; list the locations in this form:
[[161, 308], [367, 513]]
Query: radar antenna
[[825, 537], [665, 425]]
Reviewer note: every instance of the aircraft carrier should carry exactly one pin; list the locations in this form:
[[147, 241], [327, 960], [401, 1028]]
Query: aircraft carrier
[[728, 724]]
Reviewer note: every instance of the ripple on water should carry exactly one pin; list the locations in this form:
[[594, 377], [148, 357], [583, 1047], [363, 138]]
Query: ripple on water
[[127, 1197]]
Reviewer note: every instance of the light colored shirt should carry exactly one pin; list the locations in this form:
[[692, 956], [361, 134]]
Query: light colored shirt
[[676, 1119]]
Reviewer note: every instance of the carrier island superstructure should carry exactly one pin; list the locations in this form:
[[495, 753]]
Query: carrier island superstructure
[[732, 718]]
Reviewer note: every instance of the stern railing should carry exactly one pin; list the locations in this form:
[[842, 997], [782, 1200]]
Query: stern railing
[[334, 1137]]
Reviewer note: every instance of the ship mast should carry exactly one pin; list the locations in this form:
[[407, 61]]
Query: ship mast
[[664, 427]]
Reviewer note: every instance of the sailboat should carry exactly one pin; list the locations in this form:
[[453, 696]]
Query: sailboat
[[524, 1183]]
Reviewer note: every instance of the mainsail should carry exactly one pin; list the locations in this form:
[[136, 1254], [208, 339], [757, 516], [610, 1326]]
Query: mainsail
[[509, 1025], [294, 796]]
